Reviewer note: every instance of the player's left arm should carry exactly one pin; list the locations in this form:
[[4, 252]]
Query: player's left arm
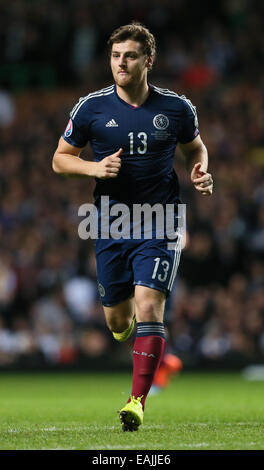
[[196, 156]]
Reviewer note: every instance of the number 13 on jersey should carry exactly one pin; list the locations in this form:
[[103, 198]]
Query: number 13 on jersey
[[142, 148]]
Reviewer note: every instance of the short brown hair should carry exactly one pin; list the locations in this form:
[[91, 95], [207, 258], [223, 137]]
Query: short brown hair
[[136, 32]]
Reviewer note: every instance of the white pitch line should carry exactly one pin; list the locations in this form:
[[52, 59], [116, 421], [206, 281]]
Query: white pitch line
[[78, 428], [93, 428], [56, 429]]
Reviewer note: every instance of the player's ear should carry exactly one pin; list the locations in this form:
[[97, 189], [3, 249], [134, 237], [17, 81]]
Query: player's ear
[[149, 62]]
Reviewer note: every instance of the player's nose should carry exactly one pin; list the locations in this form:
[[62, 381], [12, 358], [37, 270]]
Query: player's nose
[[122, 61]]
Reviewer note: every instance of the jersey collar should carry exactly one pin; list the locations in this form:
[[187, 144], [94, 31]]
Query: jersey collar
[[130, 105]]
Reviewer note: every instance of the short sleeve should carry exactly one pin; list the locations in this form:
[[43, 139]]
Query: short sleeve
[[189, 122], [77, 129]]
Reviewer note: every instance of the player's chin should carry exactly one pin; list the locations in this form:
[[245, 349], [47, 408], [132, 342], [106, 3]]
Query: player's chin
[[123, 80]]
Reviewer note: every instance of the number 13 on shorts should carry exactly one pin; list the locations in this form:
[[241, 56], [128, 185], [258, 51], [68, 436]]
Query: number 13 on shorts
[[165, 265]]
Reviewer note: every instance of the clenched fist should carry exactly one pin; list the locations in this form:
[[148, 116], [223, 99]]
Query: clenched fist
[[202, 180], [109, 167]]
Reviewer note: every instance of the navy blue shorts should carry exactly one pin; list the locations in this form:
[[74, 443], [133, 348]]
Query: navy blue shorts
[[122, 264]]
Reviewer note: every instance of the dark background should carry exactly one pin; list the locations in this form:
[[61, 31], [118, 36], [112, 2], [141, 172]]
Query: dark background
[[52, 52]]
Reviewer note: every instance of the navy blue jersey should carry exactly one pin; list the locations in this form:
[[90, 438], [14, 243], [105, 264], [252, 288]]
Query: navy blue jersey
[[148, 135]]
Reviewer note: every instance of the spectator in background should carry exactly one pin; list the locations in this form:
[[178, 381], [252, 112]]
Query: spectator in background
[[7, 109], [84, 45], [8, 286], [52, 324]]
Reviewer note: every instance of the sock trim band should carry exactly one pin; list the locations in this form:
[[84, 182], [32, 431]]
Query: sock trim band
[[150, 329]]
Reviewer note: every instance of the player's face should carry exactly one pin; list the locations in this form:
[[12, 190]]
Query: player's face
[[128, 63]]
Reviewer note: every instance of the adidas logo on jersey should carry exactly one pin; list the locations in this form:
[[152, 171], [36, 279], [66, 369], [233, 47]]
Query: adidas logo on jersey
[[111, 123]]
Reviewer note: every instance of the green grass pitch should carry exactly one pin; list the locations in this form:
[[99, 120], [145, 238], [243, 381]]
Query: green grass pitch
[[78, 411]]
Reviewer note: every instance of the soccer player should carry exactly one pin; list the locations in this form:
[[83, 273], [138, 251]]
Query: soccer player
[[133, 128]]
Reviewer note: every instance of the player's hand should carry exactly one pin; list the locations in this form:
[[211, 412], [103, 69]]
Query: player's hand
[[109, 167], [202, 180]]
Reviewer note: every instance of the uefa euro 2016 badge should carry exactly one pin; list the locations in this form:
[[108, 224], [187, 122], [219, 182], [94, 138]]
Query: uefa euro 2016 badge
[[68, 130]]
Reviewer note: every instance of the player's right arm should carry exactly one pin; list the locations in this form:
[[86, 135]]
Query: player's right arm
[[67, 161]]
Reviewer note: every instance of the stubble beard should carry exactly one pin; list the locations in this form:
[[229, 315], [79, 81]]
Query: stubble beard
[[126, 84]]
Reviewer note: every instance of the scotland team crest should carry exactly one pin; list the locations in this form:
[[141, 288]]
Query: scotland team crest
[[68, 129], [101, 290], [161, 122]]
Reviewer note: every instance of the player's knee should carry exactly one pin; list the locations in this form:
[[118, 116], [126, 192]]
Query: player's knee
[[149, 304], [117, 325], [149, 310]]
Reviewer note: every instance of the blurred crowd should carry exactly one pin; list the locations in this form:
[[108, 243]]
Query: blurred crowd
[[52, 53]]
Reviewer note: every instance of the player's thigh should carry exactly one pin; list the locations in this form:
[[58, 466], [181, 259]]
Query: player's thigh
[[155, 265], [149, 304], [114, 273]]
